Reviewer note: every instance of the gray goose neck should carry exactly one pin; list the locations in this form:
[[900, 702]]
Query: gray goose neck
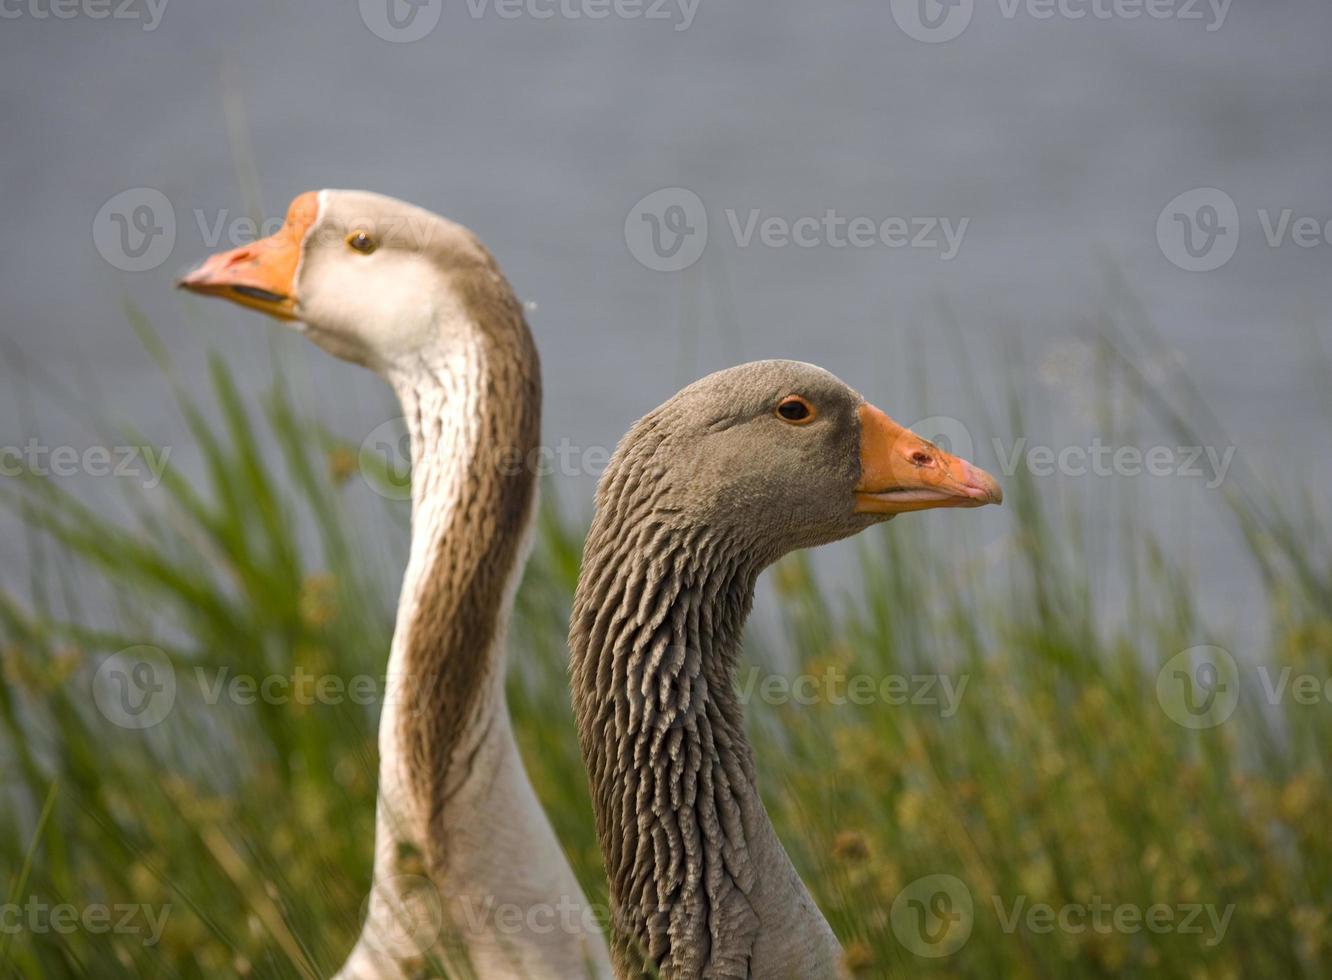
[[655, 636]]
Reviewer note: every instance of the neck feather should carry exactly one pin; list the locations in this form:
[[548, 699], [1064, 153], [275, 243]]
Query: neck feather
[[473, 417], [655, 635]]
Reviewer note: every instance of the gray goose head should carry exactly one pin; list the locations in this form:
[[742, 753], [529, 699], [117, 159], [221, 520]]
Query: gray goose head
[[704, 492], [774, 456]]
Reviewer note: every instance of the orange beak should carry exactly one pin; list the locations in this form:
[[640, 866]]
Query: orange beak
[[901, 472], [261, 275]]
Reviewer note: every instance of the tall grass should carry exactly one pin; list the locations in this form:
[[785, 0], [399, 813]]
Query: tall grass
[[1058, 780]]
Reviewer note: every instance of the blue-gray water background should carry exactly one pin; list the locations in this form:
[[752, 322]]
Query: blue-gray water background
[[1060, 140]]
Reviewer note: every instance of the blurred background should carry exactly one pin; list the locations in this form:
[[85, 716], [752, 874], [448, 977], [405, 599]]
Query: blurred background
[[1080, 225], [1058, 141]]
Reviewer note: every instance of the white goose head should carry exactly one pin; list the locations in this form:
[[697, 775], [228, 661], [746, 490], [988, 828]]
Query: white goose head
[[371, 279]]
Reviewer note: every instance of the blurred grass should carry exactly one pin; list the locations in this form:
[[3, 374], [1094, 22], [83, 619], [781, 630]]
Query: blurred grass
[[1059, 778]]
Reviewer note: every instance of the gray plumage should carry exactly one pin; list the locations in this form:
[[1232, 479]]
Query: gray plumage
[[701, 495]]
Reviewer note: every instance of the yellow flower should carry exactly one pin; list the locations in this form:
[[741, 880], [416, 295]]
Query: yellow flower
[[910, 809], [342, 464], [1310, 924], [791, 576], [851, 847], [319, 600], [857, 959], [1297, 797]]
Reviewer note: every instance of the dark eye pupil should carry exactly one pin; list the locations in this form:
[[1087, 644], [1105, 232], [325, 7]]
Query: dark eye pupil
[[793, 410], [361, 242]]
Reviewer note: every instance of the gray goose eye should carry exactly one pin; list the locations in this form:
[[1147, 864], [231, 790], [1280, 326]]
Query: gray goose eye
[[795, 410], [361, 241]]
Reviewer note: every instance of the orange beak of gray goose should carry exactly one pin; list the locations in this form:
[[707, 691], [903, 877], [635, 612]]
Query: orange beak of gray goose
[[901, 472]]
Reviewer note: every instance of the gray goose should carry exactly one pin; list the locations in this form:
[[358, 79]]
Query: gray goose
[[703, 493], [461, 839]]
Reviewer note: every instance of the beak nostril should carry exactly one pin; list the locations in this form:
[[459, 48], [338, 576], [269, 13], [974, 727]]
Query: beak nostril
[[921, 458]]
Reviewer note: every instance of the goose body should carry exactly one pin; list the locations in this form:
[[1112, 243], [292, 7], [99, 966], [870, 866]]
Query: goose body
[[463, 849], [701, 495]]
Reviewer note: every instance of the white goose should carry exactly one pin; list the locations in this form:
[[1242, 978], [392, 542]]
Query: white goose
[[463, 848]]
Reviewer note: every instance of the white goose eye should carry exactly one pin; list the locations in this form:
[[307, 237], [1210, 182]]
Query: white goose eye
[[795, 410], [361, 241]]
